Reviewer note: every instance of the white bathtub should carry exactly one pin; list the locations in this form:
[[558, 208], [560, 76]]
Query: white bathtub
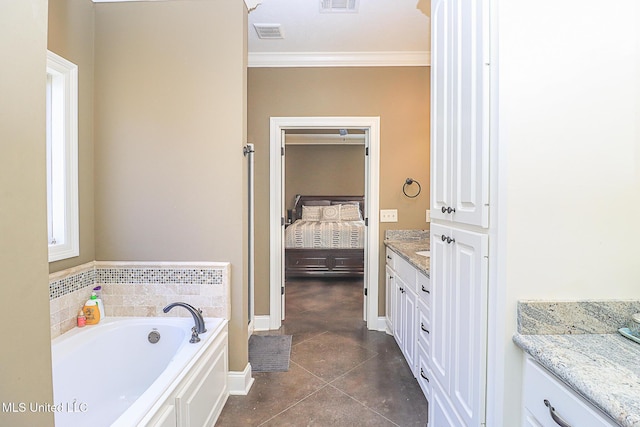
[[111, 375]]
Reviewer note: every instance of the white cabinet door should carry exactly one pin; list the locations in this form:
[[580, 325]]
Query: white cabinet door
[[390, 292], [459, 108], [410, 311], [397, 311], [459, 318], [440, 309]]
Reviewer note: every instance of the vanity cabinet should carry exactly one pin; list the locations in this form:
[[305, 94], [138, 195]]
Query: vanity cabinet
[[549, 403], [408, 314], [459, 318], [459, 111]]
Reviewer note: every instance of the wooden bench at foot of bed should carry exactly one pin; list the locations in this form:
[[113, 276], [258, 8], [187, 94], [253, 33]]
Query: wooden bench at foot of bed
[[324, 262]]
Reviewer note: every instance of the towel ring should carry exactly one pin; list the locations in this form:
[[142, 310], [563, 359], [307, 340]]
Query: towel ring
[[410, 181]]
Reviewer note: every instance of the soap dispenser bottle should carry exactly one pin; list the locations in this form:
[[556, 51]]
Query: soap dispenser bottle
[[98, 291], [91, 310]]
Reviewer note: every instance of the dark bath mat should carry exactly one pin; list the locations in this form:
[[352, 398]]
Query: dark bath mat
[[269, 353]]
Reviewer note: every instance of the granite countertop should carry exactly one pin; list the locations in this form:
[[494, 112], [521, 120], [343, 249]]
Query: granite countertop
[[406, 243], [592, 358]]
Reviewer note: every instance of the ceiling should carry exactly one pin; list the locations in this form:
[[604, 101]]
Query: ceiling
[[378, 32]]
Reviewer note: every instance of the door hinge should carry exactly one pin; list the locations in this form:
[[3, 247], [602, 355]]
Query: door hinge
[[366, 222], [281, 220], [365, 292], [366, 151], [282, 151], [281, 290]]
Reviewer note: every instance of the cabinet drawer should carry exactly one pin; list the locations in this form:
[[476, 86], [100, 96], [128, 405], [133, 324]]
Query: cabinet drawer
[[424, 288], [390, 258], [423, 372], [424, 325], [406, 271], [540, 386]]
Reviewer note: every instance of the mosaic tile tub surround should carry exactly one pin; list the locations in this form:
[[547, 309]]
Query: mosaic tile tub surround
[[139, 289]]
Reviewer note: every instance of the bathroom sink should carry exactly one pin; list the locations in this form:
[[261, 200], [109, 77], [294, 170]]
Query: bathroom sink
[[423, 253]]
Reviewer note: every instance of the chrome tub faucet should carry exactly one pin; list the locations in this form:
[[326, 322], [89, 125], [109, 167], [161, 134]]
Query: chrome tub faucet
[[199, 327]]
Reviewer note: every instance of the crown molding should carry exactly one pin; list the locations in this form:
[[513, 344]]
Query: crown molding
[[339, 59]]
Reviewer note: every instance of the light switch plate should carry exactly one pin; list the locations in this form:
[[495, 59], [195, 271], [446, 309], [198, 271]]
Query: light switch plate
[[428, 215], [388, 215]]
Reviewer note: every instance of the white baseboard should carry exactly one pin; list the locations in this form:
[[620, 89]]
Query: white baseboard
[[382, 324], [261, 323], [240, 382]]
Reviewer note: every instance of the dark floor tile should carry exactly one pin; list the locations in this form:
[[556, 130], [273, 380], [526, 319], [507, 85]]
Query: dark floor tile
[[329, 355], [329, 407], [385, 383], [370, 382], [271, 393]]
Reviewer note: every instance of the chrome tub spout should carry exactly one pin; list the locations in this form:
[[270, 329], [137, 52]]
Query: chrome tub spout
[[197, 318]]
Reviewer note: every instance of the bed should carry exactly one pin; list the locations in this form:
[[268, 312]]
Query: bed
[[326, 237]]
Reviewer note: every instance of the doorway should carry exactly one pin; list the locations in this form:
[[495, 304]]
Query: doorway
[[371, 128]]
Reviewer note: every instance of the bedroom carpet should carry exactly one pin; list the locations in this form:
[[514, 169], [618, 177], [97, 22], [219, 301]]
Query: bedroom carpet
[[340, 374], [269, 353]]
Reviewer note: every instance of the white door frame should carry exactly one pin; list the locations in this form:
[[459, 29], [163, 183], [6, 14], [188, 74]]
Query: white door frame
[[372, 184]]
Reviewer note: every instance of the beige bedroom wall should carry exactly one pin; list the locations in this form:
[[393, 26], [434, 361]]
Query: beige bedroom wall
[[398, 95], [71, 28], [170, 125], [320, 170], [25, 362]]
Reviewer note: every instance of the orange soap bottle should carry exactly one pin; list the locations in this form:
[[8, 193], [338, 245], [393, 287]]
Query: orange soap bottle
[[91, 310]]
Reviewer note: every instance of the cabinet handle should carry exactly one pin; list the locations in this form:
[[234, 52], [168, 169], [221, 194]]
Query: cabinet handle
[[423, 375], [401, 290], [425, 289], [389, 257], [555, 416], [448, 239], [448, 210], [422, 327]]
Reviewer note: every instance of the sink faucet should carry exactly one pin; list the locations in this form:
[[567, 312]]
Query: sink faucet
[[197, 318]]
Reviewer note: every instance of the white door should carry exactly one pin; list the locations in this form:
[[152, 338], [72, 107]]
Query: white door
[[283, 215], [460, 108], [468, 307], [440, 308], [440, 114]]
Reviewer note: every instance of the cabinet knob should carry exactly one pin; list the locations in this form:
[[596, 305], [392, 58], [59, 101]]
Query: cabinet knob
[[448, 239], [389, 257], [557, 418], [448, 210]]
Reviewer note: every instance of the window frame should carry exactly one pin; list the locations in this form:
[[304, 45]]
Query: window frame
[[63, 91]]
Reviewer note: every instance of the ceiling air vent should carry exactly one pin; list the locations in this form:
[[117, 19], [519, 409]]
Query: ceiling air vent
[[268, 31], [338, 6]]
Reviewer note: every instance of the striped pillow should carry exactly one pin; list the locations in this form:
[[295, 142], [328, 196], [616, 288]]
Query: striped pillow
[[349, 212]]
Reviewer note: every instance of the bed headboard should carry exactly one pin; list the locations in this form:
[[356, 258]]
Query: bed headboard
[[301, 200]]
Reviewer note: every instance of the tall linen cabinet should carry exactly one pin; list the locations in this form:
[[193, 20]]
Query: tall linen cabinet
[[459, 211]]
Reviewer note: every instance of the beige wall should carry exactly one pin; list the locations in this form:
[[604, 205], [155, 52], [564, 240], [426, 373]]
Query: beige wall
[[169, 129], [71, 28], [25, 360], [398, 95], [323, 170]]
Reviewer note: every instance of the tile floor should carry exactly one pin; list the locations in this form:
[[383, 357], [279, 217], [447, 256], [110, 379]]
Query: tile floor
[[340, 373]]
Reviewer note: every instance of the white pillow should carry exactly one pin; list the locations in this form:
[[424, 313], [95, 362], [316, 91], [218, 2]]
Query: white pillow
[[331, 213], [350, 213], [311, 213]]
